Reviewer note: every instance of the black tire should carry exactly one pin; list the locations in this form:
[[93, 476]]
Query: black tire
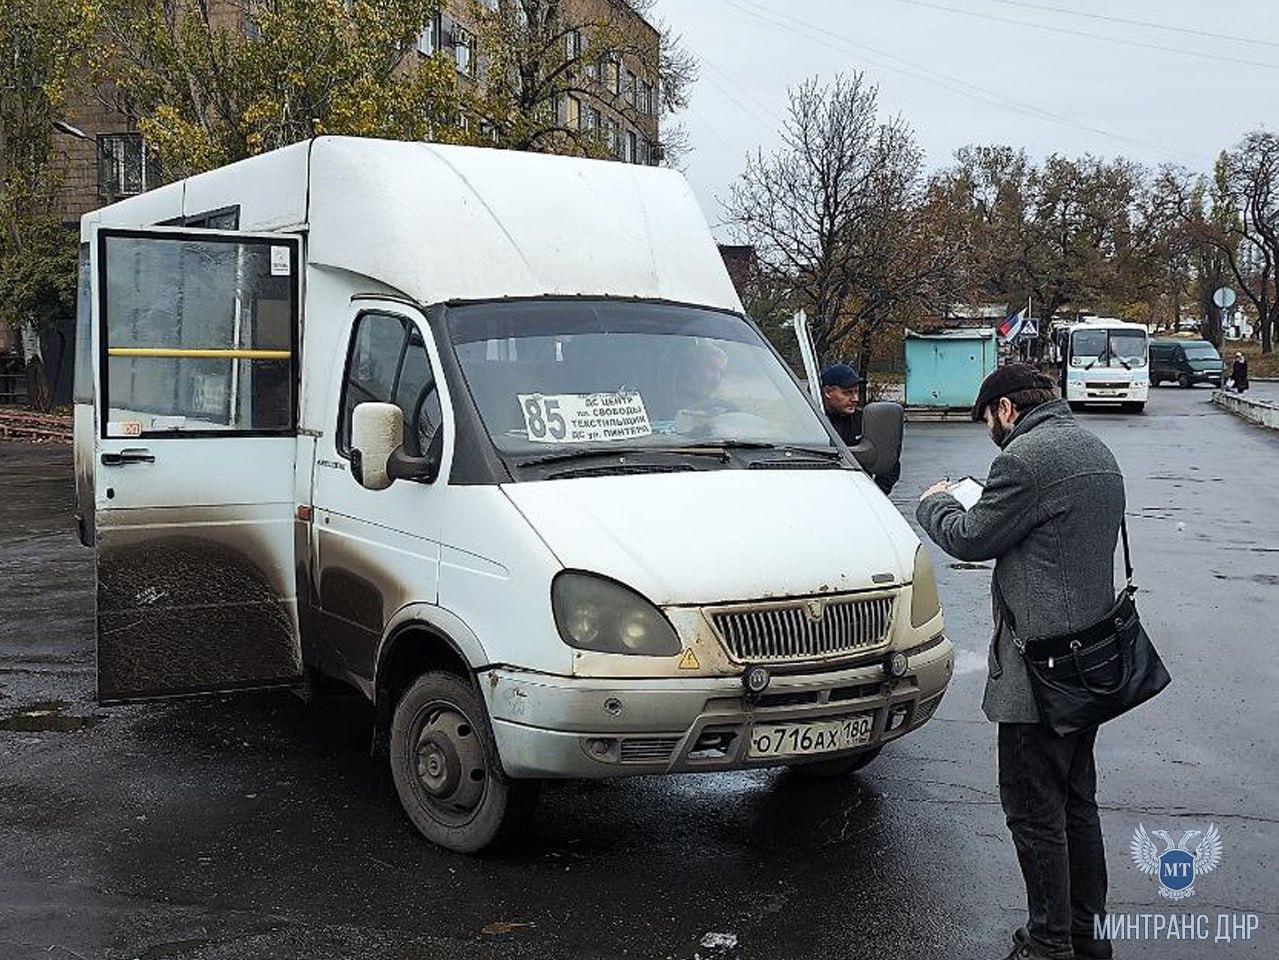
[[839, 766], [446, 770], [1135, 406], [1076, 406], [1185, 381], [1155, 381]]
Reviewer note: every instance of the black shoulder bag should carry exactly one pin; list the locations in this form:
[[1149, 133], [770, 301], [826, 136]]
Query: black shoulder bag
[[1093, 675]]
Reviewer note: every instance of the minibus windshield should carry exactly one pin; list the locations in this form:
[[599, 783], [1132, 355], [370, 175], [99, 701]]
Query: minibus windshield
[[552, 376], [1108, 347]]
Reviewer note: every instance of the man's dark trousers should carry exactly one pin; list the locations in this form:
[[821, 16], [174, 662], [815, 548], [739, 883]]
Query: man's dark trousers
[[1048, 788]]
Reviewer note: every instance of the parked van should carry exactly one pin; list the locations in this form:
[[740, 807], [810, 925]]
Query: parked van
[[486, 436], [1185, 362]]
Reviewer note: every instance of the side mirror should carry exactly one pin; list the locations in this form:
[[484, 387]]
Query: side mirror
[[881, 444], [377, 448]]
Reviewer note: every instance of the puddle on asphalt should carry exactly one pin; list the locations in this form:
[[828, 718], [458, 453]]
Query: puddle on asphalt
[[1265, 579], [46, 717]]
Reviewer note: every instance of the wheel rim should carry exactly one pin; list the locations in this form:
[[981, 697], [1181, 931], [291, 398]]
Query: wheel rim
[[448, 763]]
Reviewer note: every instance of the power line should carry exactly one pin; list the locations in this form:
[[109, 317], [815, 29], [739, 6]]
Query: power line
[[824, 37], [1189, 31], [728, 94], [744, 92], [1215, 58]]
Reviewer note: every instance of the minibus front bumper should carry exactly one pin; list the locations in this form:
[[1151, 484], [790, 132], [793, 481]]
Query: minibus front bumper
[[551, 726]]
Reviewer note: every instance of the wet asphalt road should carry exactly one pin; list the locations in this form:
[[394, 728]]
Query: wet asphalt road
[[258, 826]]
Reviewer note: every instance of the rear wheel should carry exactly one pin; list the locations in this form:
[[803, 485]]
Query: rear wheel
[[445, 766], [1155, 381], [838, 767]]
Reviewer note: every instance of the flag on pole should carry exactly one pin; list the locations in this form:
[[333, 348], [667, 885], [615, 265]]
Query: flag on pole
[[1010, 329]]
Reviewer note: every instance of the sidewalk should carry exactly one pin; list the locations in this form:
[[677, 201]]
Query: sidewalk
[[1259, 410]]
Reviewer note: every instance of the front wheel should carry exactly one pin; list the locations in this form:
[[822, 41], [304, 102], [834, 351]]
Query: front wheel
[[1135, 407], [837, 767], [1185, 381], [446, 771], [1076, 406]]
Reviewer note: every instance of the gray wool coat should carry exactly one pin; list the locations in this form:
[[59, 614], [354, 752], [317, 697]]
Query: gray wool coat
[[1049, 517]]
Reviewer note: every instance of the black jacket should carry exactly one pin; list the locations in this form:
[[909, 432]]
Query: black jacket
[[1239, 372], [849, 428]]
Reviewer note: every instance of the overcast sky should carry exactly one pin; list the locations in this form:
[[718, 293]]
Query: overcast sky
[[1052, 76]]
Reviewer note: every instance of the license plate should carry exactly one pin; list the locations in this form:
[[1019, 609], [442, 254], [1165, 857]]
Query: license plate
[[817, 736]]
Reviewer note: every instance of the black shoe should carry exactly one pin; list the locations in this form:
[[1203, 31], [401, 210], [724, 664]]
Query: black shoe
[[1089, 949], [1026, 947]]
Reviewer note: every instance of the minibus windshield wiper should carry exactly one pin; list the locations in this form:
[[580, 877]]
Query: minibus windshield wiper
[[830, 452], [693, 450], [718, 448]]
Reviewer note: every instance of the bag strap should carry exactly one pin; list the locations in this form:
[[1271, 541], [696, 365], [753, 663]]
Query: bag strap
[[1123, 530]]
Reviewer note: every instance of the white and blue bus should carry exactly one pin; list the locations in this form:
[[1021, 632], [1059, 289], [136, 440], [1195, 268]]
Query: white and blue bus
[[1105, 361]]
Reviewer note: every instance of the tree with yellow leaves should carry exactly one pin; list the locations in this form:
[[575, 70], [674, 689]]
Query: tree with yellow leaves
[[40, 43], [214, 81]]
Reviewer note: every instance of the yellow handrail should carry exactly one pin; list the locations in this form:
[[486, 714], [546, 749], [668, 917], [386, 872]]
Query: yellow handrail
[[168, 353]]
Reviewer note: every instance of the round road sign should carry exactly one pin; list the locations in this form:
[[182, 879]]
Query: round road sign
[[1224, 297]]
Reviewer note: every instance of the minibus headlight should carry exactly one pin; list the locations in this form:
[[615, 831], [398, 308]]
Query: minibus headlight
[[592, 613], [924, 601]]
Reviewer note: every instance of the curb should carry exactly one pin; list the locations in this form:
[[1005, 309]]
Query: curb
[[937, 415], [1264, 413]]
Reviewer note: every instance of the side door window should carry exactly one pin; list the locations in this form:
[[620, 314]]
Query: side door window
[[388, 363], [198, 331]]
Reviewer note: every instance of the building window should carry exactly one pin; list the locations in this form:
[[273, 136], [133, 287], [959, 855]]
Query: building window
[[428, 41], [464, 51], [125, 165], [610, 74], [590, 120], [573, 113], [613, 136], [646, 105], [573, 45], [632, 147], [630, 89]]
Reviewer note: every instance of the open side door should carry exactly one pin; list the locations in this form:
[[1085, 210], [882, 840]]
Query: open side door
[[809, 355], [196, 335]]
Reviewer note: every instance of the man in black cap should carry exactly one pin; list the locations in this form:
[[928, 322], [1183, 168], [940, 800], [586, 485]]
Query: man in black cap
[[839, 400], [1049, 517]]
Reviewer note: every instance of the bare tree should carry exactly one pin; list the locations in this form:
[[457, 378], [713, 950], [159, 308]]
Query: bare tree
[[543, 63], [1234, 221], [1251, 241], [840, 210]]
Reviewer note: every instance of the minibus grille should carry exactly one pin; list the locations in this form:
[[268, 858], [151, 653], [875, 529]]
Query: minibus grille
[[648, 749], [815, 629]]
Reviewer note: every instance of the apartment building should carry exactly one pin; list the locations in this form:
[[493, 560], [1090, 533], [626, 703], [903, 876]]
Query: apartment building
[[102, 157]]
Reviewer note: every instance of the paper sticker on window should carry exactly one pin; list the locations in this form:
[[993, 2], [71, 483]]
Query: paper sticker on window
[[584, 417], [280, 264], [124, 428]]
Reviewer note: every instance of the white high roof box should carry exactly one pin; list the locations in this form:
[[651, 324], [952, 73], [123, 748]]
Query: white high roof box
[[442, 223]]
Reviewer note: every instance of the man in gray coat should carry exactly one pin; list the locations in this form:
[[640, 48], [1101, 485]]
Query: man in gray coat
[[1049, 517]]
